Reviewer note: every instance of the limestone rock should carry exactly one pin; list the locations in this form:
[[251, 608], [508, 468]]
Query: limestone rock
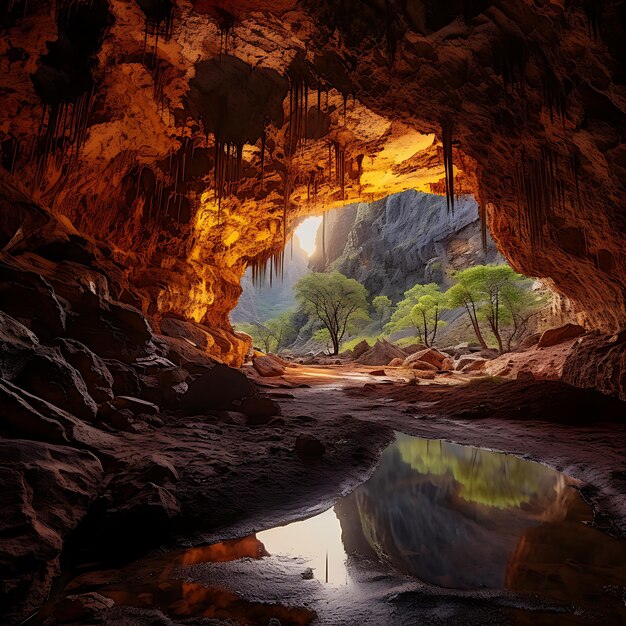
[[554, 336], [428, 355], [267, 365]]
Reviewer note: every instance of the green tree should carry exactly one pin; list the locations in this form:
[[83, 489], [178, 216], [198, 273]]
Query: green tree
[[273, 334], [499, 296], [420, 309], [381, 305], [333, 299]]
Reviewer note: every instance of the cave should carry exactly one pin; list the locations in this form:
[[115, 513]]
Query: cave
[[157, 158]]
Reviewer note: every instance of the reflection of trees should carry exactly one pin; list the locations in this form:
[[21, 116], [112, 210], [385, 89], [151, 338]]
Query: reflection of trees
[[484, 477]]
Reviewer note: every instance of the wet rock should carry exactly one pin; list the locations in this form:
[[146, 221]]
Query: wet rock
[[259, 410], [267, 366], [85, 607], [309, 448], [217, 388], [91, 367], [554, 336], [381, 354], [46, 492], [429, 355]]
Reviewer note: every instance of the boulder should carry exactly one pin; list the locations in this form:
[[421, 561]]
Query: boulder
[[554, 336], [361, 348], [91, 367], [267, 366], [429, 355], [396, 362], [125, 378], [259, 410], [48, 376], [112, 330], [309, 448], [423, 365], [378, 373], [46, 492], [160, 381], [186, 354], [382, 353], [186, 329], [217, 388], [471, 364], [447, 365]]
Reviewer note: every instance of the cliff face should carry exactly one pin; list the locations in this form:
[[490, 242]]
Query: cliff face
[[408, 238], [190, 134]]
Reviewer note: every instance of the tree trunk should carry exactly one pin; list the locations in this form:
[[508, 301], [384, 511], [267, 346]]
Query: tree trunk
[[477, 331]]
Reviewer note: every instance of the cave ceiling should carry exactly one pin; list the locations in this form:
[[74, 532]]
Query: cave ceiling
[[191, 136]]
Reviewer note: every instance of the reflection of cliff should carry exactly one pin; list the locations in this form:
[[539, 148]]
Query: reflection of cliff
[[418, 511]]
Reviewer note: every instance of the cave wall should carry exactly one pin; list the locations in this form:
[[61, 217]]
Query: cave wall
[[190, 135]]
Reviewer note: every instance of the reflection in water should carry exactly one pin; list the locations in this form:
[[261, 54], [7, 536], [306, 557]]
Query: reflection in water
[[183, 599], [450, 515]]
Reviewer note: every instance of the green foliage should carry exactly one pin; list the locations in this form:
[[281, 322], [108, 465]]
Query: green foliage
[[381, 306], [497, 296], [420, 310], [272, 335], [338, 302]]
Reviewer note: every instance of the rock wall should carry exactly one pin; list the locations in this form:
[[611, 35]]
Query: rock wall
[[408, 238]]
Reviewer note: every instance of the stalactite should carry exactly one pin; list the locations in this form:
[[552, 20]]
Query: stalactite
[[446, 140], [594, 10], [482, 216], [539, 187]]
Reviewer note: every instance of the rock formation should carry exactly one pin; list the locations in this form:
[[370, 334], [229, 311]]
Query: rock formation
[[404, 239]]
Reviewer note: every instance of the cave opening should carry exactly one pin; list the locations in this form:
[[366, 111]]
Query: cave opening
[[312, 312]]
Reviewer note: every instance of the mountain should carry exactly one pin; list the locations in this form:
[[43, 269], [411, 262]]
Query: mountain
[[404, 239]]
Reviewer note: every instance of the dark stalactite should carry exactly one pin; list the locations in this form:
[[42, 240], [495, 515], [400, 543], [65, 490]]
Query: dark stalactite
[[446, 141]]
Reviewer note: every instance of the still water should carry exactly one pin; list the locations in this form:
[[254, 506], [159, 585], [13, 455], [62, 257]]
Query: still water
[[453, 516]]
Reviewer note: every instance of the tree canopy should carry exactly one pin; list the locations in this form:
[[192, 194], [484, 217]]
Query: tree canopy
[[335, 300], [420, 309]]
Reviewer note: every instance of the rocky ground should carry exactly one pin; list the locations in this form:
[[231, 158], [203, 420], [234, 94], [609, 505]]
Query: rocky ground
[[343, 405]]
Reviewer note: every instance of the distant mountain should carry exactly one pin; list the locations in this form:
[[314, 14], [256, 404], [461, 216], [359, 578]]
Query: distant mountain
[[404, 239], [258, 304]]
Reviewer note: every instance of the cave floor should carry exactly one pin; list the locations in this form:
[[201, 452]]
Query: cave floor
[[355, 414]]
